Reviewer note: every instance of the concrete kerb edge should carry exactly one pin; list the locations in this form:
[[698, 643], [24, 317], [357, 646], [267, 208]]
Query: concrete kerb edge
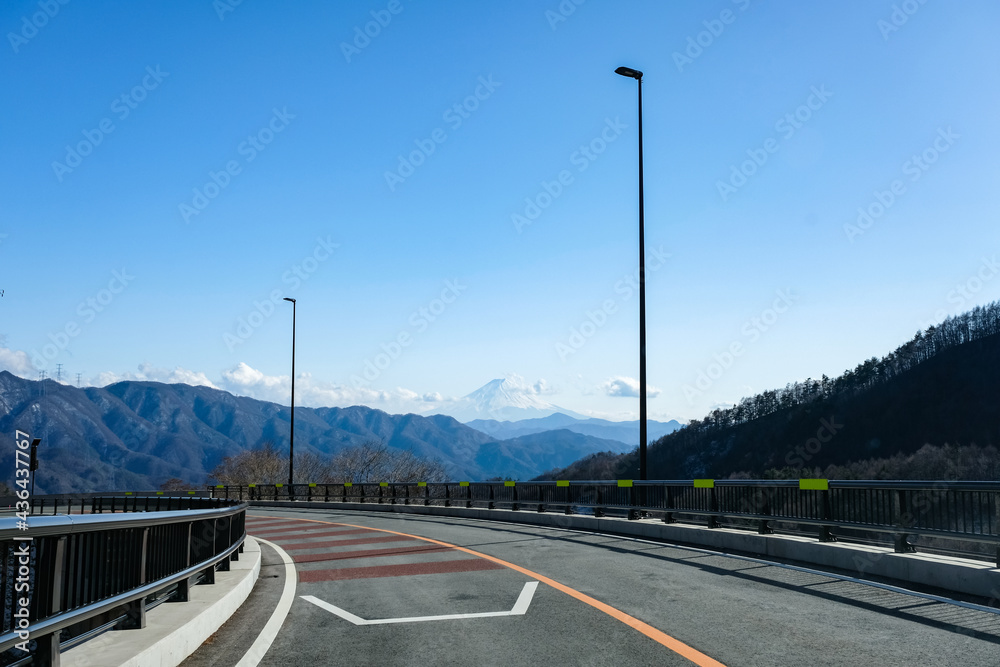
[[172, 633], [942, 572]]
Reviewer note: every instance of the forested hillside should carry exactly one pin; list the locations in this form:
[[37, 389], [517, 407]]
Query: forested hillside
[[940, 388]]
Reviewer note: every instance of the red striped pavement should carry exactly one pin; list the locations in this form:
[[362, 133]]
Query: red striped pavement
[[367, 553], [409, 569], [304, 535]]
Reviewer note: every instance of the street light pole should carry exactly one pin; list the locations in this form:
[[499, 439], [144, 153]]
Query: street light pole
[[637, 75], [291, 430]]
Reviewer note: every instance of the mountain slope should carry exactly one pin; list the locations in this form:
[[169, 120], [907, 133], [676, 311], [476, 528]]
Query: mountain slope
[[520, 458], [624, 432], [136, 435], [938, 389], [951, 398]]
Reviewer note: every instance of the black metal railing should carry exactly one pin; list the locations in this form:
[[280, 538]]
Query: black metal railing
[[103, 567], [953, 517], [129, 501]]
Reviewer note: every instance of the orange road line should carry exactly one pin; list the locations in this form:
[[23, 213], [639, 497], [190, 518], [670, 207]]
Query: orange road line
[[660, 637]]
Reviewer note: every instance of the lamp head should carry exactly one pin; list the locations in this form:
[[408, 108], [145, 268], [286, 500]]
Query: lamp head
[[629, 72], [288, 298]]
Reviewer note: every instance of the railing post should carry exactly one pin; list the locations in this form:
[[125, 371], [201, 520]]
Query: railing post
[[900, 543], [825, 532], [764, 525], [447, 496], [713, 506], [996, 521], [184, 587], [47, 651], [136, 610], [491, 504], [514, 506], [668, 498], [468, 496]]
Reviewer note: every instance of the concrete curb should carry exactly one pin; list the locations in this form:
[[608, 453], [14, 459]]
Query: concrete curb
[[175, 630], [947, 573]]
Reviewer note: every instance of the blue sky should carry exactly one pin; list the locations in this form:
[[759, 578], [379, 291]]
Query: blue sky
[[451, 197]]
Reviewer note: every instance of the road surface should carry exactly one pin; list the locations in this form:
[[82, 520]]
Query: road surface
[[368, 590]]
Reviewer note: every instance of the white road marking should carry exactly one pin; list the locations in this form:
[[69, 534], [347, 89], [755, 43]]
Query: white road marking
[[520, 608], [266, 637]]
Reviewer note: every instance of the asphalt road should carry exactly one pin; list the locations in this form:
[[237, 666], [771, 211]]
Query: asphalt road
[[367, 596]]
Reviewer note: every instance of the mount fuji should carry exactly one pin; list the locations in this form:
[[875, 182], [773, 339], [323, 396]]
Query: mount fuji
[[505, 399]]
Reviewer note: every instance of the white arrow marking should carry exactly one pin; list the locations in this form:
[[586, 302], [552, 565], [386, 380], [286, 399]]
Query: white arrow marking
[[520, 608]]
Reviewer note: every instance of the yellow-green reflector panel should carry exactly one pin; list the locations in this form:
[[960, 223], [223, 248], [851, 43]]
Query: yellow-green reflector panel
[[463, 483], [624, 483], [279, 485], [253, 486], [704, 483], [421, 483], [562, 482], [191, 493], [128, 493], [159, 493], [507, 482], [383, 483], [814, 484], [348, 484], [222, 486], [311, 484]]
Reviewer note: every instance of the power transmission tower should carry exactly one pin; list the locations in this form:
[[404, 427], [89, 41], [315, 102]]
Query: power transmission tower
[[58, 372], [78, 375]]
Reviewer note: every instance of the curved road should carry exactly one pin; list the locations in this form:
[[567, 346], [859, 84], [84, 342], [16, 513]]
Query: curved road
[[368, 590]]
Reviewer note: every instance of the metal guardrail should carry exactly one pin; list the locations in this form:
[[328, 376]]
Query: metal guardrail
[[138, 501], [957, 517], [87, 572]]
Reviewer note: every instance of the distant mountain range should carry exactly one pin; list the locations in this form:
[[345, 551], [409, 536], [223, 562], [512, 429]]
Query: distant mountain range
[[626, 432], [136, 435]]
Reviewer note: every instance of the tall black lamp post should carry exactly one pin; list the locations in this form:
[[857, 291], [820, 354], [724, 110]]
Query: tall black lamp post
[[637, 75], [291, 430]]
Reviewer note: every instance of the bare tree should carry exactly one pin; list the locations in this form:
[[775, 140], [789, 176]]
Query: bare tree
[[175, 484], [312, 468], [264, 465], [373, 461]]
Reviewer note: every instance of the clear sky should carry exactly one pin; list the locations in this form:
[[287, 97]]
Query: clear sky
[[453, 186]]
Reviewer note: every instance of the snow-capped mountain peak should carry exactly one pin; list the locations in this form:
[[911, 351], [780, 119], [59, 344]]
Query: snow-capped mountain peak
[[504, 399]]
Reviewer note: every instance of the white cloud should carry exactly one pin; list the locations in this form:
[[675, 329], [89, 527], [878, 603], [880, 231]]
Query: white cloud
[[627, 387], [537, 388], [543, 388], [17, 362], [245, 380]]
